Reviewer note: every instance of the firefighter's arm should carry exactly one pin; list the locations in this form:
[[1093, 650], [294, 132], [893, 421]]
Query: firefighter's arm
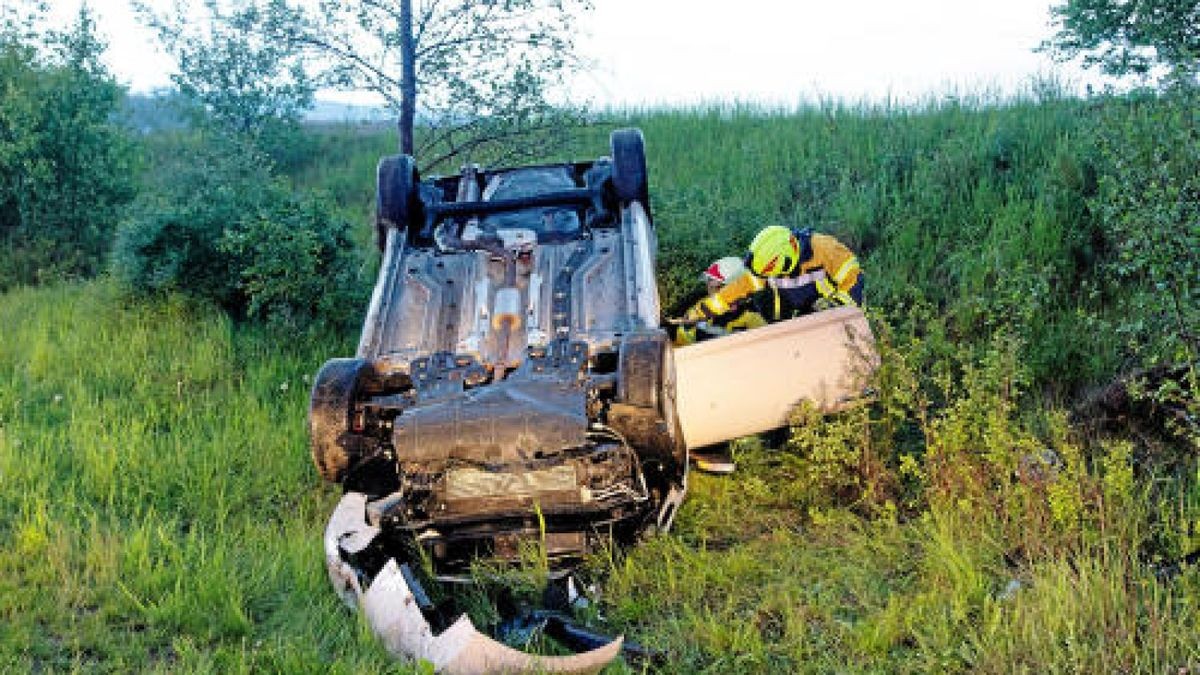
[[842, 268], [723, 300]]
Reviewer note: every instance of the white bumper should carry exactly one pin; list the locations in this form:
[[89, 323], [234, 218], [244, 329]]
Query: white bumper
[[393, 613]]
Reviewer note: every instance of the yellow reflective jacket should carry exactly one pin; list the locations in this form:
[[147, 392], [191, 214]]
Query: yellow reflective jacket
[[827, 270]]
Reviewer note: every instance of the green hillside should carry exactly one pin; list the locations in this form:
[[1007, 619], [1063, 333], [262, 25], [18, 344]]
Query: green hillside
[[162, 513]]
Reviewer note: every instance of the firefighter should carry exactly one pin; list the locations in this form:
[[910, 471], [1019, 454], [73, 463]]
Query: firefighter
[[742, 315], [790, 273], [804, 271]]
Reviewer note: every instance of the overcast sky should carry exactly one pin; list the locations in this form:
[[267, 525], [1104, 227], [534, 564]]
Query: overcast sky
[[778, 52]]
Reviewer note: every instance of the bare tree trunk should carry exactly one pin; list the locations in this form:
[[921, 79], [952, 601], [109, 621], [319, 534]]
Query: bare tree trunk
[[408, 78]]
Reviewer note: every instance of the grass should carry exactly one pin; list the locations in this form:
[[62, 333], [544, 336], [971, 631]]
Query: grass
[[163, 516], [161, 512]]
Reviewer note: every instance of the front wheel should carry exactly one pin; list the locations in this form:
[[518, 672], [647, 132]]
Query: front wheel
[[331, 415], [646, 391]]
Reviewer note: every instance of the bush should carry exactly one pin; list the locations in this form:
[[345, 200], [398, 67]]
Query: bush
[[66, 170], [296, 263], [1149, 204], [215, 224]]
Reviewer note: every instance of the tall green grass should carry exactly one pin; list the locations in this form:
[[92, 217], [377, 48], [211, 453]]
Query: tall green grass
[[161, 513]]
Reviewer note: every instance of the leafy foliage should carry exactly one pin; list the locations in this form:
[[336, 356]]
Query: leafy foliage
[[217, 225], [1149, 203], [234, 79], [66, 169], [1127, 37], [481, 72], [242, 81]]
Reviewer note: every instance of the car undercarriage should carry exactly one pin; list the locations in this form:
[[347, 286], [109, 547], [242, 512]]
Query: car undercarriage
[[512, 385]]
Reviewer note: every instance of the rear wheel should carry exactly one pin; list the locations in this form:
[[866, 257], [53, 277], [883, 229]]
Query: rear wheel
[[331, 415], [396, 201], [629, 166]]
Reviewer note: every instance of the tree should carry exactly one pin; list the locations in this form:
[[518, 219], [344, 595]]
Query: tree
[[1130, 36], [66, 169], [231, 68], [465, 77]]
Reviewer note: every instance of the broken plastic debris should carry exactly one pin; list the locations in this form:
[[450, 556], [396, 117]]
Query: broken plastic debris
[[395, 616]]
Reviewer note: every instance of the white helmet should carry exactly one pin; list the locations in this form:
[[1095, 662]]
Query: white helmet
[[724, 270]]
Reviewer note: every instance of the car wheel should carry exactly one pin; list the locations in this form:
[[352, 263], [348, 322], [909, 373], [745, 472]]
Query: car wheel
[[644, 413], [396, 202], [331, 413], [641, 369], [629, 166], [647, 383]]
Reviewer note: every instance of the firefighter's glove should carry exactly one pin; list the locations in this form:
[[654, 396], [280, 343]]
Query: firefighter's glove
[[711, 330], [838, 299], [683, 335], [707, 309]]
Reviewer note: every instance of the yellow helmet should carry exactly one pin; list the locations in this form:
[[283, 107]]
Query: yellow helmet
[[774, 252]]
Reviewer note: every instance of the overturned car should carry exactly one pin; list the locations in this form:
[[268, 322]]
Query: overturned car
[[511, 385], [512, 388]]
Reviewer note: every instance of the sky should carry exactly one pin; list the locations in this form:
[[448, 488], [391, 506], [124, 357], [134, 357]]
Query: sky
[[773, 52]]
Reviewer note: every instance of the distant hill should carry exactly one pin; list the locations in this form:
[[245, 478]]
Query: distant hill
[[163, 110], [335, 111]]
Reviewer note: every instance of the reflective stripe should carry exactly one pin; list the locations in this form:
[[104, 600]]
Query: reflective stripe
[[845, 270], [825, 288], [757, 283], [796, 282]]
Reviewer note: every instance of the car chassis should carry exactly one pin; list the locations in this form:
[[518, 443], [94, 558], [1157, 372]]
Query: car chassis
[[511, 387]]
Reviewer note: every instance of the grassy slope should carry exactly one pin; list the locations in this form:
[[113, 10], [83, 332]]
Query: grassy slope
[[161, 513]]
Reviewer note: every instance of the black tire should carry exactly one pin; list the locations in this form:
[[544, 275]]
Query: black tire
[[646, 373], [396, 201], [641, 369], [629, 166], [330, 412]]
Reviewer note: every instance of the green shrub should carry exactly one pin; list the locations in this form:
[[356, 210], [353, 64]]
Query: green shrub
[[66, 169], [1149, 203], [215, 224], [296, 263]]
